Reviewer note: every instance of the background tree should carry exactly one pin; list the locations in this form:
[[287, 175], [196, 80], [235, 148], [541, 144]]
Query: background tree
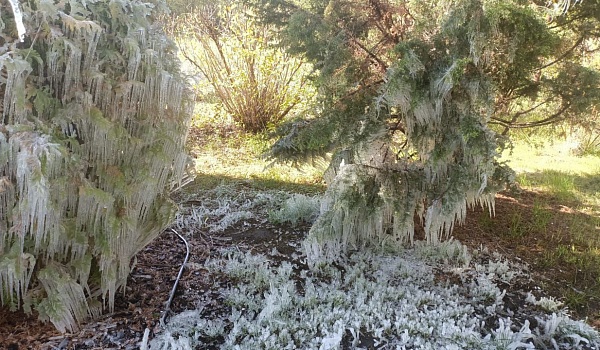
[[257, 83], [93, 126], [408, 90]]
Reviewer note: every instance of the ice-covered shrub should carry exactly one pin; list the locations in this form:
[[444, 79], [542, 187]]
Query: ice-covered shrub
[[500, 269], [225, 206], [561, 332], [448, 252], [93, 125], [546, 303]]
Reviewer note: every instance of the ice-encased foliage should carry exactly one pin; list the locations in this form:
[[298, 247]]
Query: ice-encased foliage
[[422, 150], [296, 209], [382, 301], [94, 122]]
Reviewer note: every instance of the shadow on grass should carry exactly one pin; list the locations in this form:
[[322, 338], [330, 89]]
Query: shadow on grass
[[204, 182]]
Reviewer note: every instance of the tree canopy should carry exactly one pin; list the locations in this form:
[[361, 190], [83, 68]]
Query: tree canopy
[[411, 97]]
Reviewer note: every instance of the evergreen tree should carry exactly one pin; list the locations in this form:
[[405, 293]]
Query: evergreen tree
[[408, 90], [93, 126]]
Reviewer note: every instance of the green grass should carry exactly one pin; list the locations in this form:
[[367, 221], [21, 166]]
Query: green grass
[[518, 227], [541, 216], [564, 216], [553, 169], [525, 158]]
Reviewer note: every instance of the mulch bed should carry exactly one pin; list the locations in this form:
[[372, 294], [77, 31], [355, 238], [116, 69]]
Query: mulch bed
[[148, 289]]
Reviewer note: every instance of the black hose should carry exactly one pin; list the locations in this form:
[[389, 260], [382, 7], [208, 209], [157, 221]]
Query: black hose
[[187, 255]]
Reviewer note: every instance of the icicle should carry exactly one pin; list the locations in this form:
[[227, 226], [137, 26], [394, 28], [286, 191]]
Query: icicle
[[89, 32], [53, 57], [92, 43], [72, 69], [66, 304], [96, 89], [424, 114], [7, 203], [17, 71], [16, 272], [403, 228], [483, 186], [95, 207], [135, 56], [140, 35], [18, 19], [399, 94], [164, 90], [150, 94], [36, 214]]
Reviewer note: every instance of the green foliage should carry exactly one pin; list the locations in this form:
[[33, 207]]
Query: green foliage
[[257, 83], [562, 85], [517, 228], [541, 217], [92, 135]]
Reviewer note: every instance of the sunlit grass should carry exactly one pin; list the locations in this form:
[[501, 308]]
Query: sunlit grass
[[221, 150], [526, 158], [241, 158], [566, 217], [554, 169]]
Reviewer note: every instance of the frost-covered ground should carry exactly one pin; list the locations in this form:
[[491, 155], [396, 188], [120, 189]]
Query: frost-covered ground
[[424, 297]]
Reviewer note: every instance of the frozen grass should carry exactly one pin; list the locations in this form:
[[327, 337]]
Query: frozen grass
[[227, 204], [388, 301], [296, 209]]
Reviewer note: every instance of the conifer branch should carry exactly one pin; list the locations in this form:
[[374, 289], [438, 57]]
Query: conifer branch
[[564, 54]]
